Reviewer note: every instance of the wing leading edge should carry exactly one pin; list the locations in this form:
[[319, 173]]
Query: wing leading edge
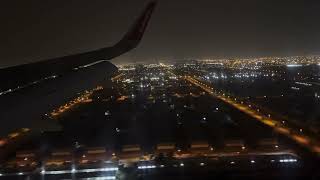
[[14, 76]]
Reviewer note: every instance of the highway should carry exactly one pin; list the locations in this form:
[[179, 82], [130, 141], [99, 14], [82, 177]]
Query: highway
[[84, 98], [300, 138]]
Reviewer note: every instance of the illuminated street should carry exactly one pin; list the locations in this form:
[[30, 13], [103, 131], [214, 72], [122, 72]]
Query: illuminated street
[[309, 142]]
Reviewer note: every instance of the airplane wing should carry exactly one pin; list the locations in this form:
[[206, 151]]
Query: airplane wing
[[17, 76]]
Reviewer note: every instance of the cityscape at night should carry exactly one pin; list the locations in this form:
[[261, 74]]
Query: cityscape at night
[[200, 114], [240, 100]]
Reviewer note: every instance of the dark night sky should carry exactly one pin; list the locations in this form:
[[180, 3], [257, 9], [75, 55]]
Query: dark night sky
[[35, 29]]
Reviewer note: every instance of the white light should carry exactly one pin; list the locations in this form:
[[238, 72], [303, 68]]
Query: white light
[[57, 172], [287, 160], [20, 173], [107, 113], [73, 170], [147, 167], [181, 164], [201, 164], [252, 161], [232, 162], [161, 165], [294, 65], [43, 171], [110, 169], [82, 170], [295, 88], [91, 64]]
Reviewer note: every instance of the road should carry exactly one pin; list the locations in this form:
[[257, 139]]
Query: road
[[300, 138]]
